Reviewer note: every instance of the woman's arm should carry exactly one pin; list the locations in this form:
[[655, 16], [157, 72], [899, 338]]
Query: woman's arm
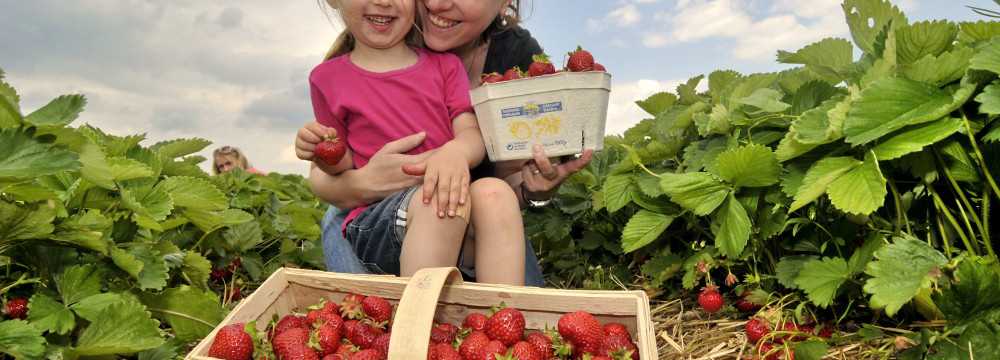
[[539, 179]]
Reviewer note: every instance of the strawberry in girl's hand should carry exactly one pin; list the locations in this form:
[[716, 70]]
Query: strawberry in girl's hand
[[491, 78], [331, 150], [541, 66], [710, 299], [513, 74], [580, 60], [232, 343]]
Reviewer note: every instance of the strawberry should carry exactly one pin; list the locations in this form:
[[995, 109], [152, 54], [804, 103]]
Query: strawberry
[[473, 344], [582, 331], [287, 343], [331, 150], [616, 328], [542, 344], [377, 308], [443, 352], [320, 317], [289, 321], [369, 354], [444, 333], [381, 343], [298, 352], [344, 352], [745, 305], [580, 60], [795, 333], [766, 351], [16, 308], [475, 321], [232, 343], [756, 329], [710, 299], [491, 78], [599, 67], [523, 350], [513, 74], [618, 344], [364, 335], [235, 294], [328, 338], [507, 326], [826, 331], [235, 264], [351, 308], [492, 350], [219, 274], [541, 66], [350, 327]]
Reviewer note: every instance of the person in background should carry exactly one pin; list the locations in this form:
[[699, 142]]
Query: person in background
[[227, 158]]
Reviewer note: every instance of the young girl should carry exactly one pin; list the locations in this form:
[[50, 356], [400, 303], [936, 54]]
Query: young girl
[[375, 88]]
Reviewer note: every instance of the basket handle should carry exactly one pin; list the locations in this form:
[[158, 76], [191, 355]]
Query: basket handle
[[411, 328]]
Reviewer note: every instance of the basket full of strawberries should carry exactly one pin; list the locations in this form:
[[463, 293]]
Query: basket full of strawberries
[[303, 314], [563, 110]]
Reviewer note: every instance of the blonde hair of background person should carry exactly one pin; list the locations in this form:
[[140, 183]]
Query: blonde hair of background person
[[227, 158]]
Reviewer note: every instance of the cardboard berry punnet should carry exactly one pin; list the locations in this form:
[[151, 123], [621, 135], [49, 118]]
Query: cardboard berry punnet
[[436, 295]]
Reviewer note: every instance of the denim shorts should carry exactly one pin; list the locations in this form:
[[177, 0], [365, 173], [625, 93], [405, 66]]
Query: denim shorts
[[377, 233]]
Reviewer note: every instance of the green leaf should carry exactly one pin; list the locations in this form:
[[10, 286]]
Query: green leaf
[[788, 269], [916, 138], [811, 95], [127, 261], [173, 149], [649, 185], [96, 168], [720, 82], [168, 351], [903, 268], [617, 192], [789, 148], [924, 38], [196, 269], [811, 350], [50, 315], [860, 191], [203, 219], [154, 273], [90, 308], [993, 135], [731, 226], [971, 33], [868, 18], [194, 193], [821, 279], [657, 103], [974, 293], [89, 230], [78, 282], [819, 177], [22, 341], [25, 222], [863, 255], [990, 99], [127, 169], [823, 124], [981, 340], [827, 58], [698, 192], [122, 328], [767, 100], [155, 204], [59, 112], [701, 154], [988, 58], [687, 93], [643, 228], [22, 157], [940, 70], [191, 313], [893, 103], [715, 123], [235, 216], [748, 166], [243, 237]]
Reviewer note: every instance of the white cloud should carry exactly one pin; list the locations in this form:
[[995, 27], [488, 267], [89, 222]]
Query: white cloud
[[623, 113], [655, 40], [625, 15]]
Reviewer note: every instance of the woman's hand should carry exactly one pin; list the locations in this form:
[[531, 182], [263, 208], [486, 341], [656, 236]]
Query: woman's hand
[[446, 177], [541, 177]]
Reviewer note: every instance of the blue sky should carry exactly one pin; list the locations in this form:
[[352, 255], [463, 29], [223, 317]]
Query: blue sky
[[234, 71]]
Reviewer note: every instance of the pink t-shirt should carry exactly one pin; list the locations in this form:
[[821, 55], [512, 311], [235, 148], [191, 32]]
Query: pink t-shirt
[[371, 109]]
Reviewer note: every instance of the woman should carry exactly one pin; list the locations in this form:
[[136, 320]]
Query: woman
[[227, 158], [484, 33]]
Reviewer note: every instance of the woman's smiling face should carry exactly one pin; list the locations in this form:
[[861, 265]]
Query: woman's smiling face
[[451, 24]]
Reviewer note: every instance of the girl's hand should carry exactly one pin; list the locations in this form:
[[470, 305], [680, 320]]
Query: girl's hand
[[447, 177], [541, 177], [308, 137]]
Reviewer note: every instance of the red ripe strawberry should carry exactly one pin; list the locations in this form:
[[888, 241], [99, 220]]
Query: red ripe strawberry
[[794, 330], [287, 343], [542, 344], [344, 352], [443, 352], [235, 294], [491, 78], [232, 343], [289, 321], [523, 350], [298, 352], [541, 66], [350, 327], [377, 308], [350, 308], [599, 67], [16, 308], [473, 344], [475, 321], [444, 333], [369, 354], [618, 344], [599, 357], [744, 303], [826, 331], [710, 299], [492, 349], [331, 307], [616, 328], [766, 351], [219, 274], [507, 326], [581, 330], [331, 150], [381, 343], [580, 60], [513, 74], [756, 329], [235, 264], [364, 335], [328, 338]]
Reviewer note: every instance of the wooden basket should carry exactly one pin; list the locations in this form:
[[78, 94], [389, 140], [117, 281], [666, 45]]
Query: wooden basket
[[436, 294]]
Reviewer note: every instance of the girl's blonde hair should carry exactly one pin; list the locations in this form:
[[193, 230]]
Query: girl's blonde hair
[[229, 152], [345, 42]]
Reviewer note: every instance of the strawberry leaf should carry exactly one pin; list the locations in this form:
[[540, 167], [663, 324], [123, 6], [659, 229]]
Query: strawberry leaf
[[96, 168], [864, 254], [617, 192], [78, 282], [789, 148], [993, 135], [748, 166], [121, 328], [828, 58], [176, 148], [155, 204], [243, 237], [90, 308], [731, 227], [942, 69], [194, 193], [788, 269], [23, 157], [810, 350], [657, 103], [767, 100], [821, 279], [698, 192], [868, 18], [89, 230], [191, 313], [925, 38], [122, 169], [974, 295], [49, 315], [196, 269], [687, 93], [990, 99], [823, 124], [643, 228], [915, 138], [860, 191], [903, 268], [893, 103], [988, 58], [819, 177], [717, 122], [21, 340], [59, 112], [971, 33]]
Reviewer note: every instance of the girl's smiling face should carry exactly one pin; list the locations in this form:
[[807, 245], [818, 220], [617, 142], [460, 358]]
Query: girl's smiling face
[[452, 24], [378, 24]]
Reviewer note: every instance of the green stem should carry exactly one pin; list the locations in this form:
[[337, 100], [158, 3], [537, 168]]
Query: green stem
[[900, 214], [944, 238], [979, 156], [968, 208], [951, 219], [186, 316]]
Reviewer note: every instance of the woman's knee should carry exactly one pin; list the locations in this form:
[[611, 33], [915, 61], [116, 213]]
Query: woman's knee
[[490, 191]]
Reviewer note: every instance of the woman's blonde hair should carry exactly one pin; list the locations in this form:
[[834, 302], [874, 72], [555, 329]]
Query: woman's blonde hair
[[345, 42], [231, 152]]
